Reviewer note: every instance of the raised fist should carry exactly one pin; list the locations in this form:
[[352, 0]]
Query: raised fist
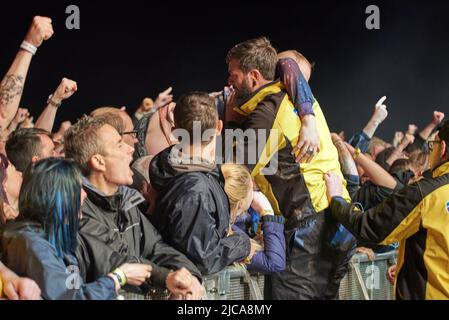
[[65, 125], [28, 123], [412, 129], [437, 117], [40, 30], [65, 90], [21, 115], [408, 139]]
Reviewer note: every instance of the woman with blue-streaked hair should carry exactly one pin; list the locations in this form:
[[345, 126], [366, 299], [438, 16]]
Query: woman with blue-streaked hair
[[41, 243]]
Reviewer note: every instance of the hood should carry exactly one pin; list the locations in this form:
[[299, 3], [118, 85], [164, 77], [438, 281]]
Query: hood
[[123, 200], [166, 166]]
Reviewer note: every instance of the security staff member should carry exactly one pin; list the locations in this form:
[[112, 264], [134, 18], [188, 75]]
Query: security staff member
[[417, 217]]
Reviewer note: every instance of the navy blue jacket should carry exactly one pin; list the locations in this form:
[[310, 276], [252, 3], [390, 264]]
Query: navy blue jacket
[[272, 259], [192, 215], [26, 251]]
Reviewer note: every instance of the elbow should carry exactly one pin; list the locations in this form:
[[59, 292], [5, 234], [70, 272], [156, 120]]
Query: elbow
[[4, 120], [269, 264], [278, 265]]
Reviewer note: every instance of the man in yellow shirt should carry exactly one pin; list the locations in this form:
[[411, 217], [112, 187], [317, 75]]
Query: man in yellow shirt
[[318, 249]]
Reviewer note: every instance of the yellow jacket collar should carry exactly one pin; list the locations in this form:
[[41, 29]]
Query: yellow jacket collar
[[258, 96], [441, 170]]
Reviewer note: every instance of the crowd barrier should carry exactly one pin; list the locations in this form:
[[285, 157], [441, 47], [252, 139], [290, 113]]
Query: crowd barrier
[[365, 280]]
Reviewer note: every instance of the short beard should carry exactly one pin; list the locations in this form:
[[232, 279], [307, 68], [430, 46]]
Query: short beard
[[242, 95]]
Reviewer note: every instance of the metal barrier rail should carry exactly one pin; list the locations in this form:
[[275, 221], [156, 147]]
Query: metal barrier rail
[[365, 280], [232, 283]]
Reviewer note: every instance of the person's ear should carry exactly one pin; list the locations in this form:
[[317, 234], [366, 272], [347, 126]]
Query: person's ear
[[219, 127], [444, 152], [34, 159], [256, 77], [97, 163]]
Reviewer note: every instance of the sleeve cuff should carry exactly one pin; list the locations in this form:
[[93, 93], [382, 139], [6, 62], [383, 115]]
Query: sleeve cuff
[[352, 179], [305, 109], [338, 201], [158, 276], [275, 218]]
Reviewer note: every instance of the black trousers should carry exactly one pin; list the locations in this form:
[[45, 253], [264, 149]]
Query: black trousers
[[318, 254]]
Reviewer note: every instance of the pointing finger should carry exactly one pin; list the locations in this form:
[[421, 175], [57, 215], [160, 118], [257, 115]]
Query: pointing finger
[[381, 101]]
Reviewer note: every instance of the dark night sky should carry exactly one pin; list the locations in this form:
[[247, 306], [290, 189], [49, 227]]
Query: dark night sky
[[128, 50]]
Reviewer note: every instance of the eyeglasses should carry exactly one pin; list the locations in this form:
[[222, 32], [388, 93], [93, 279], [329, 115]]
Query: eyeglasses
[[431, 143], [131, 133]]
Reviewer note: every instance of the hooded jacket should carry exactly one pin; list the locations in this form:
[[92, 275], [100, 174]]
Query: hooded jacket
[[26, 251], [114, 231], [192, 213]]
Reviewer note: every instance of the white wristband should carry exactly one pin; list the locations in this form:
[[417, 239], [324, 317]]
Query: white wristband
[[28, 47]]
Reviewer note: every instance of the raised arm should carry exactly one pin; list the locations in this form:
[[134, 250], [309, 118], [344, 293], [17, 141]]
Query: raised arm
[[397, 218], [21, 115], [362, 138], [11, 87], [379, 115], [436, 120], [399, 150], [347, 163], [375, 172], [301, 95], [64, 91]]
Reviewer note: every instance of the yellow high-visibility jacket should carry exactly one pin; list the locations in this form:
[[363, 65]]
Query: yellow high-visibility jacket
[[418, 218], [295, 190]]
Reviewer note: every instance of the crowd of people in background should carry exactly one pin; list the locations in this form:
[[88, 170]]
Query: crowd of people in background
[[115, 203]]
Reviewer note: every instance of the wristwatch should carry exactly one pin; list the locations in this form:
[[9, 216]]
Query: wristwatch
[[51, 102]]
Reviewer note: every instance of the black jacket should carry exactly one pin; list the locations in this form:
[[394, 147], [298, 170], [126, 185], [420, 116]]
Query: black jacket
[[192, 214], [114, 231], [26, 251], [370, 195]]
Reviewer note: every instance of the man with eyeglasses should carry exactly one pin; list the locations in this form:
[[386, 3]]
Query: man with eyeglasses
[[120, 120], [418, 217]]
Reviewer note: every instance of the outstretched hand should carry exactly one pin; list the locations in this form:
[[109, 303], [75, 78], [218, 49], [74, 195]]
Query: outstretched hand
[[334, 185]]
